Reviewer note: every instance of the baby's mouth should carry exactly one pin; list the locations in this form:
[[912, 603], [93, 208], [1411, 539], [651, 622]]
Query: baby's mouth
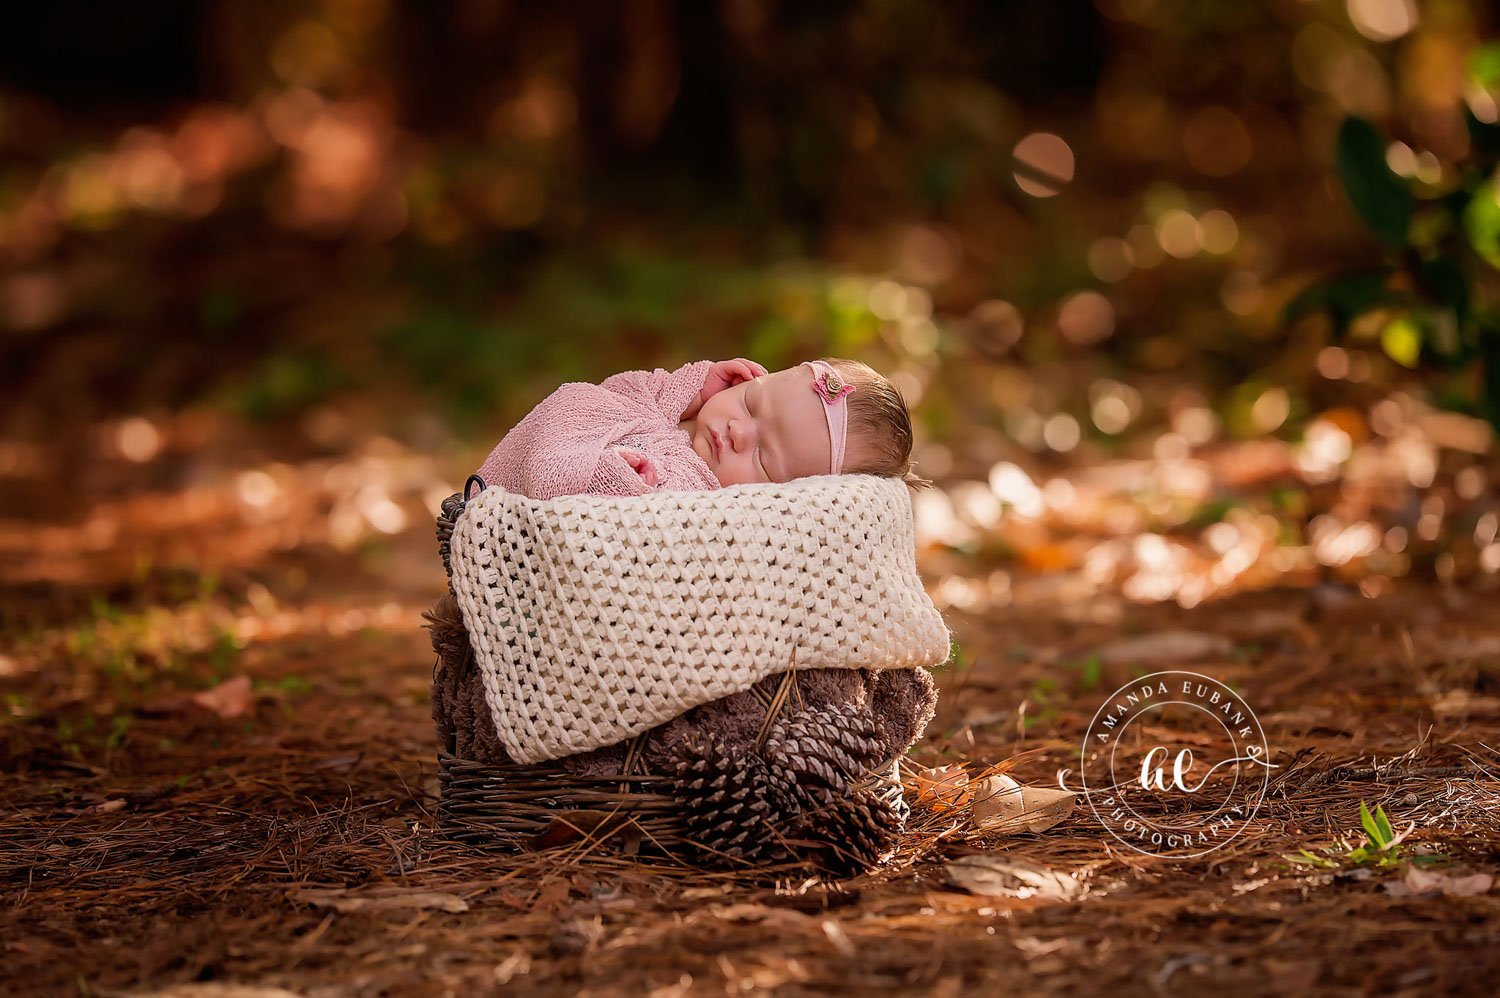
[[717, 443]]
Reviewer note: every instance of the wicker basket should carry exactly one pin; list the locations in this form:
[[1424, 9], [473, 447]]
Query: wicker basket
[[529, 807], [840, 821]]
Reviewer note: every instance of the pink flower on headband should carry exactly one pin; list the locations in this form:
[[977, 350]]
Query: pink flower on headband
[[832, 387]]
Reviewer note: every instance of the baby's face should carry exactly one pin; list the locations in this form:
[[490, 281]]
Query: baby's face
[[771, 429]]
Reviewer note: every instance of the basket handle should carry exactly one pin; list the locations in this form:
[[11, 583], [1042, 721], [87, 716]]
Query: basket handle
[[470, 481]]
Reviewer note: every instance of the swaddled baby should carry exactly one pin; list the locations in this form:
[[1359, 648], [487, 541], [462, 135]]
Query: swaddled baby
[[704, 426], [708, 425]]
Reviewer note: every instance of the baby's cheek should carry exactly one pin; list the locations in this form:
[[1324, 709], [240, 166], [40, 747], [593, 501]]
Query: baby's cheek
[[732, 475]]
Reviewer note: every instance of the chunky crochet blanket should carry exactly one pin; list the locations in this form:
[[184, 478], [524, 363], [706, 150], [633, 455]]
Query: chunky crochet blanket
[[595, 619]]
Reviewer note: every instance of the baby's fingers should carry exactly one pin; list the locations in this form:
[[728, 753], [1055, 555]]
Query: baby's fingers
[[641, 465], [740, 369]]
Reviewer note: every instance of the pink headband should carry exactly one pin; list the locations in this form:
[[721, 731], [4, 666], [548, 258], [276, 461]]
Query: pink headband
[[831, 389]]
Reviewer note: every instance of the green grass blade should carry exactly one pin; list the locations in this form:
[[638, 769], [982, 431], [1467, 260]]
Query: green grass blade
[[1387, 834]]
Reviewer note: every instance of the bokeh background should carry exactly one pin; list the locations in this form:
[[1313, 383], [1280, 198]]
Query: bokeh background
[[1196, 302], [275, 276]]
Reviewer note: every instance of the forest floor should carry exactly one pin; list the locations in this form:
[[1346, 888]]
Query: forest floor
[[225, 775]]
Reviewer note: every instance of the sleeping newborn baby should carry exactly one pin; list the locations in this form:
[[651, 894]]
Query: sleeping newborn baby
[[706, 425]]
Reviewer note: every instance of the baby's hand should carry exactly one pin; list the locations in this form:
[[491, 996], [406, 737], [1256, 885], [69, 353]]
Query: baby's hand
[[726, 374], [642, 465]]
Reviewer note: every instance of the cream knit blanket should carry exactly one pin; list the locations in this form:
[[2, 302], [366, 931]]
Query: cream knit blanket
[[594, 618]]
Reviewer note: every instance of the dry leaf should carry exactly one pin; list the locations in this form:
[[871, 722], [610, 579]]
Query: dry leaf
[[702, 893], [997, 800], [788, 920], [572, 826], [750, 912], [743, 912], [1165, 646], [107, 807], [345, 902], [1003, 805], [995, 876], [1031, 947], [551, 896], [1419, 881], [231, 698], [941, 788], [518, 964]]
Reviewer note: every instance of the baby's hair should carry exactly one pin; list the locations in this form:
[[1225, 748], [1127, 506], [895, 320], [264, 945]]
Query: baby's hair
[[879, 418]]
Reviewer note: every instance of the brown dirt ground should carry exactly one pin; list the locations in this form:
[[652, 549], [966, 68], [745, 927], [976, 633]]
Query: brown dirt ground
[[151, 843]]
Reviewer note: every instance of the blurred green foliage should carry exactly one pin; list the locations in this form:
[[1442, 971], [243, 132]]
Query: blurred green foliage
[[1433, 302]]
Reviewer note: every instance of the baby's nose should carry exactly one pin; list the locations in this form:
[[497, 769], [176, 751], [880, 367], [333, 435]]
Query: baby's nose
[[742, 435]]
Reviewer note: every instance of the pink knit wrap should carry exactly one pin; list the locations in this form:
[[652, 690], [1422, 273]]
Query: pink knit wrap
[[569, 444]]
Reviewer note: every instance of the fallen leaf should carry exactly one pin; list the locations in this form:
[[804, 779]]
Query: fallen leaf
[[231, 698], [997, 800], [945, 787], [553, 894], [750, 912], [107, 807], [1031, 947], [702, 893], [1432, 882], [571, 826], [1003, 805], [995, 876], [1165, 646], [345, 902], [518, 964]]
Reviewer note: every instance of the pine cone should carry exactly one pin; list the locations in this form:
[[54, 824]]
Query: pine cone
[[848, 835], [820, 754], [452, 507], [730, 803], [885, 785]]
